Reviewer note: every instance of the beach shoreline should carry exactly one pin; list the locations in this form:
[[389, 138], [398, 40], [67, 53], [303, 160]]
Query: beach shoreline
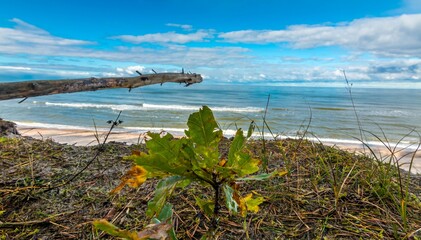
[[81, 137], [87, 137]]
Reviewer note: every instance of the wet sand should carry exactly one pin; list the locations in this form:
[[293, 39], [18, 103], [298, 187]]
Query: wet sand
[[80, 137]]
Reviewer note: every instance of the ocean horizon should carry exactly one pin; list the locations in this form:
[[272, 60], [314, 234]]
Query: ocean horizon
[[325, 113]]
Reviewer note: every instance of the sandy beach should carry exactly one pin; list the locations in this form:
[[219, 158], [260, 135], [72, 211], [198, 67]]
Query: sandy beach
[[82, 137]]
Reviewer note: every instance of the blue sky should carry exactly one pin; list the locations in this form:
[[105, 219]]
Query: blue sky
[[301, 42]]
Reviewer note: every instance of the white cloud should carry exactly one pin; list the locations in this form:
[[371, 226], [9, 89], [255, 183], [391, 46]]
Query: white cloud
[[26, 27], [182, 26], [29, 40], [400, 35], [222, 63], [305, 59], [43, 71], [182, 56], [168, 37], [14, 68], [130, 69], [30, 35]]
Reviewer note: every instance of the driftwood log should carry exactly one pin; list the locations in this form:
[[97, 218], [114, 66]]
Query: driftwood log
[[47, 87]]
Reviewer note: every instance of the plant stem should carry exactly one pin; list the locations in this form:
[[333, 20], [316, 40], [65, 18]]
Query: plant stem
[[265, 159], [349, 89], [216, 187]]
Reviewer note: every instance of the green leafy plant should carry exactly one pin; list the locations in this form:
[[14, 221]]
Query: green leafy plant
[[196, 158]]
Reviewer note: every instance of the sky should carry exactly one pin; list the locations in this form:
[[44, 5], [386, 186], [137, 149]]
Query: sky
[[266, 42]]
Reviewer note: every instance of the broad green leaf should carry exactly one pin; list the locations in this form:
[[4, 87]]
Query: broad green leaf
[[235, 149], [165, 216], [165, 157], [197, 169], [113, 230], [207, 206], [203, 129], [205, 134], [239, 162], [163, 190], [166, 213], [229, 199], [245, 165]]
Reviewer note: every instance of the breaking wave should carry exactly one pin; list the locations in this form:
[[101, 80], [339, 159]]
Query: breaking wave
[[146, 106]]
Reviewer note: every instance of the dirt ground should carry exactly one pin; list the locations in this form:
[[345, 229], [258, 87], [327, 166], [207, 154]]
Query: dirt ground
[[55, 191]]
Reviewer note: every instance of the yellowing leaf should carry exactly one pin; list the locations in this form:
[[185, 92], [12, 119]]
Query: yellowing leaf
[[113, 230], [248, 203], [222, 162], [282, 173], [135, 177]]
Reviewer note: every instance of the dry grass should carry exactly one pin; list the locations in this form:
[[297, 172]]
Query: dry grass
[[327, 193]]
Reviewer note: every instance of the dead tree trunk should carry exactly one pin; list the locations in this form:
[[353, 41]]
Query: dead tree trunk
[[48, 87]]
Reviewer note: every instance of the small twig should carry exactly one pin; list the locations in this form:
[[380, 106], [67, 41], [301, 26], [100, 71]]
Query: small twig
[[33, 222], [100, 149], [301, 220], [21, 101]]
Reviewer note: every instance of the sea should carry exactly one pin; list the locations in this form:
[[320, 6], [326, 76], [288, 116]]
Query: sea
[[335, 114]]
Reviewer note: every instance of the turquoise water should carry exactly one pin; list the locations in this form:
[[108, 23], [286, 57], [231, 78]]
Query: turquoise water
[[392, 111]]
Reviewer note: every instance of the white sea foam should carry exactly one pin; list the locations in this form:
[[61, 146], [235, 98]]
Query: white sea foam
[[146, 106], [195, 108], [116, 107], [52, 126]]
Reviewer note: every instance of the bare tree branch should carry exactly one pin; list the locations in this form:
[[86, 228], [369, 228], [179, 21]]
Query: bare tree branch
[[47, 87]]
